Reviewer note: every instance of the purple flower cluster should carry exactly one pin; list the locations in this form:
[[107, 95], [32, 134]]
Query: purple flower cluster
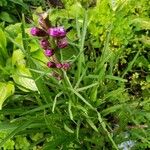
[[35, 31], [57, 33], [64, 66], [51, 39]]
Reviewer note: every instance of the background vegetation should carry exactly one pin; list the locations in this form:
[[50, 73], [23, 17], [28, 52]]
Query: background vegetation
[[103, 101]]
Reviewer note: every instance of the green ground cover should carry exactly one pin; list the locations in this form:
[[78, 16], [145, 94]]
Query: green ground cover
[[102, 102]]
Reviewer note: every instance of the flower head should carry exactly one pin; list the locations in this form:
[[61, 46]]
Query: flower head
[[44, 43], [62, 43], [59, 65], [35, 31], [57, 32], [66, 66], [51, 64], [49, 52]]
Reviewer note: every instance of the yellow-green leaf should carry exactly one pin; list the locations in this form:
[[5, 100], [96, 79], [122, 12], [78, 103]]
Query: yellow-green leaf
[[6, 90], [22, 77], [18, 58]]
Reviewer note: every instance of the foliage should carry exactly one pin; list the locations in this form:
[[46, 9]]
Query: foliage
[[101, 102]]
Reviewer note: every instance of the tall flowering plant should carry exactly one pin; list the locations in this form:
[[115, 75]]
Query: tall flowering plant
[[51, 38]]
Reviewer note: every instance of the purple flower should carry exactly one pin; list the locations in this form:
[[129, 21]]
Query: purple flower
[[44, 43], [57, 32], [37, 32], [66, 66], [62, 43], [51, 64], [49, 52], [59, 65]]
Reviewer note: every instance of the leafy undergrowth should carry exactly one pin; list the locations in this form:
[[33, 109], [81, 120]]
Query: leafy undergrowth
[[102, 101]]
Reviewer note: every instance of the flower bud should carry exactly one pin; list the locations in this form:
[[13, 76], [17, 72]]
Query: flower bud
[[49, 52], [59, 65], [62, 43], [37, 32], [57, 32], [66, 66], [51, 64], [44, 43]]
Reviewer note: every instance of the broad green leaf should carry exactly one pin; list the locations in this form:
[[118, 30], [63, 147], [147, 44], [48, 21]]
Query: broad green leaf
[[6, 17], [76, 9], [6, 90], [14, 29], [18, 58], [33, 45], [40, 57], [18, 39], [22, 77]]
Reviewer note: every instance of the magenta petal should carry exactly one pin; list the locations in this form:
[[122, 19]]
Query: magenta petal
[[51, 64], [59, 65], [37, 32], [57, 32], [66, 66], [49, 52], [44, 43]]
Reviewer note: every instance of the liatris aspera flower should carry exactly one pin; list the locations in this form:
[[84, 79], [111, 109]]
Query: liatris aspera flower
[[44, 43], [58, 40], [57, 32], [51, 64], [35, 31], [49, 52], [66, 66], [62, 42], [59, 65]]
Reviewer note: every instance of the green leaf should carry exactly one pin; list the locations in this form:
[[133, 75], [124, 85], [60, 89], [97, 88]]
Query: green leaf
[[3, 41], [76, 9], [68, 129], [6, 90], [148, 78], [111, 77], [14, 29], [90, 122], [6, 17], [39, 57], [18, 58], [143, 23], [142, 62], [21, 3], [22, 77]]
